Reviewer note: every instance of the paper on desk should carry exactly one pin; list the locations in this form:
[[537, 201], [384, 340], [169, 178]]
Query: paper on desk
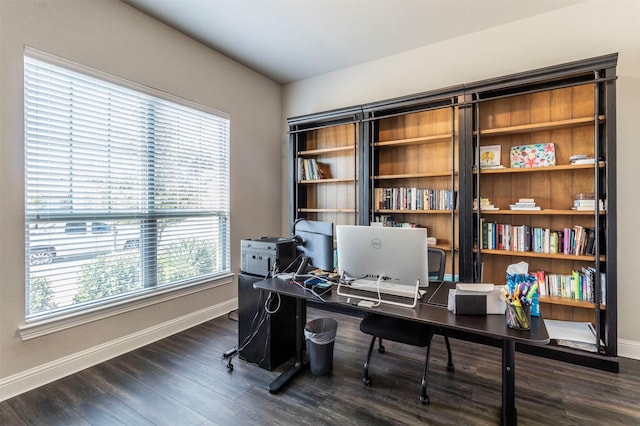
[[570, 330]]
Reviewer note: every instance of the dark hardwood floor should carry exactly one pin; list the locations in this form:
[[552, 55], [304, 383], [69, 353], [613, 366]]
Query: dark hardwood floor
[[182, 380]]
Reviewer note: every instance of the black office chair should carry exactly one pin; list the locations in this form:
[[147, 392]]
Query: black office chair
[[406, 331]]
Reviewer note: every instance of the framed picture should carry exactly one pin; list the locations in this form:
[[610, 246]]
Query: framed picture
[[490, 156]]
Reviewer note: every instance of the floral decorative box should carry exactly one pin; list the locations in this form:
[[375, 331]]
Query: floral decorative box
[[535, 155]]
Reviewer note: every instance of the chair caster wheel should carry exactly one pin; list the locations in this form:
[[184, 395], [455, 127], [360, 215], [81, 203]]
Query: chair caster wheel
[[366, 381], [381, 349], [424, 399], [451, 368]]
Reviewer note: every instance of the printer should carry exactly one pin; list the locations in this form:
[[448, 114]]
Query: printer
[[258, 256]]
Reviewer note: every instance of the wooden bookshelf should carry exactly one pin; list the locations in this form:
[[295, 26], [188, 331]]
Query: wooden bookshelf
[[417, 147], [331, 141], [430, 141], [576, 118]]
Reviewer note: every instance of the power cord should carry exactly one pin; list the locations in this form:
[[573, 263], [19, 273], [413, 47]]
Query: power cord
[[258, 321]]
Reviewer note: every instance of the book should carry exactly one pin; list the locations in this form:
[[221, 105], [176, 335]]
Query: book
[[591, 238], [576, 157], [323, 170], [516, 207], [585, 208], [300, 169]]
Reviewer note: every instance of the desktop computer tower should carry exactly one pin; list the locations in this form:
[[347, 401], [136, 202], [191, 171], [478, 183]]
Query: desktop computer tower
[[274, 342]]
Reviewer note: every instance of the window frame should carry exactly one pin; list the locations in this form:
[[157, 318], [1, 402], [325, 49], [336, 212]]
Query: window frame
[[46, 322]]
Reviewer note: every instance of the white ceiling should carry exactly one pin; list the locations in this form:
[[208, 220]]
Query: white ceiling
[[290, 40]]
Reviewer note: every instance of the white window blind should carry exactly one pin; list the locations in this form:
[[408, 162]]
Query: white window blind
[[125, 192]]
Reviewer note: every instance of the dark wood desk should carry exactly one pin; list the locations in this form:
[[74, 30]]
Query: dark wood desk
[[492, 326]]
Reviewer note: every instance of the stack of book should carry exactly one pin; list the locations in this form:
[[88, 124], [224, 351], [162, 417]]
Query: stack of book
[[485, 204], [589, 205], [581, 159], [524, 204]]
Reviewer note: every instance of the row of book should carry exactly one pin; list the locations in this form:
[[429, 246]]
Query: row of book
[[311, 169], [388, 220], [579, 285], [414, 199], [577, 240]]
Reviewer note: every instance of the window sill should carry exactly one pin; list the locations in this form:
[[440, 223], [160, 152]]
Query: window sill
[[45, 326]]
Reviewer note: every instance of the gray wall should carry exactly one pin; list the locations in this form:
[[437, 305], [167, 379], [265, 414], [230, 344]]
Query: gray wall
[[113, 37], [588, 29]]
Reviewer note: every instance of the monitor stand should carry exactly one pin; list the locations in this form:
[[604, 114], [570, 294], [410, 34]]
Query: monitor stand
[[411, 304]]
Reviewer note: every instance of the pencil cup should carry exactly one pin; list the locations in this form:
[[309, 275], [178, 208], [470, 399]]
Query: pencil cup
[[518, 317]]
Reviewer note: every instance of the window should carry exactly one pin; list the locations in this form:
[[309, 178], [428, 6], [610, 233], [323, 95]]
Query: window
[[126, 190]]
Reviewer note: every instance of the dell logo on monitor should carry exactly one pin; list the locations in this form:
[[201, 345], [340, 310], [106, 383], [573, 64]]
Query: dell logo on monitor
[[376, 243]]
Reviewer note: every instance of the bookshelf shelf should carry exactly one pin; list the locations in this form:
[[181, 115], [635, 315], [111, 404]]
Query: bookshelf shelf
[[565, 301], [540, 127], [327, 151], [558, 256], [310, 210], [538, 169], [415, 175], [412, 141], [328, 180], [543, 212], [384, 211]]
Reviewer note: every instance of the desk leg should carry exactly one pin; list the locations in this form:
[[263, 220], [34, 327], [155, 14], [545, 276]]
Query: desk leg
[[283, 380], [509, 415]]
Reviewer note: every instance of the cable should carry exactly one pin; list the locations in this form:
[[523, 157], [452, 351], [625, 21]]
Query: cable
[[348, 281], [268, 302], [257, 322], [311, 290], [293, 262]]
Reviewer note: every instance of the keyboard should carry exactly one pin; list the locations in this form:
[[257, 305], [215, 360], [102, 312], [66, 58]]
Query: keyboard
[[392, 289]]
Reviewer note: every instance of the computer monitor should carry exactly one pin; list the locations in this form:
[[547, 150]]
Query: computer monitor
[[315, 242], [398, 255]]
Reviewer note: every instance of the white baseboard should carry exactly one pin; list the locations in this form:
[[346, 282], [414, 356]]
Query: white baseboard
[[51, 371], [629, 349]]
